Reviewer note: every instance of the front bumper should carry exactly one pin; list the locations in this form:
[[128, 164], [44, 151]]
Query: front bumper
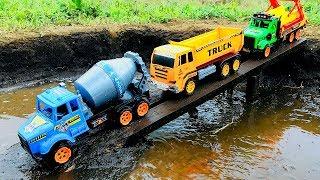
[[25, 145], [247, 50], [166, 87]]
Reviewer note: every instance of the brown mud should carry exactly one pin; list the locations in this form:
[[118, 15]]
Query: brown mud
[[67, 51], [298, 70], [71, 52]]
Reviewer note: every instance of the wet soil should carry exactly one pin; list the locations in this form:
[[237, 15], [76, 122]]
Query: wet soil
[[58, 52], [299, 69], [51, 55], [230, 139]]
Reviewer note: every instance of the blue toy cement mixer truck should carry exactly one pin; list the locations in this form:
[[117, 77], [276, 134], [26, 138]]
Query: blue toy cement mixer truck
[[109, 91]]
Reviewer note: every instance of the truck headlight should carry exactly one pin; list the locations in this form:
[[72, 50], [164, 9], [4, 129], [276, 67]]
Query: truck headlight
[[38, 138]]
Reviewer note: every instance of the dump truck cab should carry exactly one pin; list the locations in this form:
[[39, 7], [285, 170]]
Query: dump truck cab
[[179, 66], [59, 118], [171, 66], [262, 32]]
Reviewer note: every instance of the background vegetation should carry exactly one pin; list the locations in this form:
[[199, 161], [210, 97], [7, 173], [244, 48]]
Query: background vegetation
[[30, 14]]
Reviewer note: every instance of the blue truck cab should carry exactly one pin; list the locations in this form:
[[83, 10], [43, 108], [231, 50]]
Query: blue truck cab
[[60, 117]]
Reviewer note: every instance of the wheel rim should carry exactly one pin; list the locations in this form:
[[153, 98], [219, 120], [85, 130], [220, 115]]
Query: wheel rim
[[143, 109], [236, 65], [190, 87], [267, 52], [225, 70], [298, 34], [125, 118], [62, 155], [291, 37]]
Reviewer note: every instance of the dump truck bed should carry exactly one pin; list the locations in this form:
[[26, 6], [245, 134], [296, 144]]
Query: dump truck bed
[[219, 34], [212, 45], [292, 19]]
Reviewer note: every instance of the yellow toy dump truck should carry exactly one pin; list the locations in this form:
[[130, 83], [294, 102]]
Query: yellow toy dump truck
[[177, 66]]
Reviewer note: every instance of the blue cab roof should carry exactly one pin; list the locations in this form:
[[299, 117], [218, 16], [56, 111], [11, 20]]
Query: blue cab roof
[[56, 96]]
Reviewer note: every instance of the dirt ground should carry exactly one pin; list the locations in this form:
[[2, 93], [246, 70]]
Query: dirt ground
[[64, 51]]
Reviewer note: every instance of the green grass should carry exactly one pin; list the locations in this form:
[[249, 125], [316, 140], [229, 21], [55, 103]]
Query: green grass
[[30, 14]]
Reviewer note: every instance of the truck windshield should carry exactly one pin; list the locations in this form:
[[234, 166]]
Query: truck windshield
[[44, 109], [163, 60], [260, 23]]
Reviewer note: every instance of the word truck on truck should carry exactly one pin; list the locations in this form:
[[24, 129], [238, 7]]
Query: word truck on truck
[[178, 66], [277, 24], [109, 91]]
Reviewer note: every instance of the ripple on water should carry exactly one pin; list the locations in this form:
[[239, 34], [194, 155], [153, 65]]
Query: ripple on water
[[264, 141], [277, 137]]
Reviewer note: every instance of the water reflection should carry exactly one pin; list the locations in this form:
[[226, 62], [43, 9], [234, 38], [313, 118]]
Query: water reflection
[[278, 139], [22, 101]]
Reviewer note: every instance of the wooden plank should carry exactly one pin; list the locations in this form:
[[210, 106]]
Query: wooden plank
[[170, 109]]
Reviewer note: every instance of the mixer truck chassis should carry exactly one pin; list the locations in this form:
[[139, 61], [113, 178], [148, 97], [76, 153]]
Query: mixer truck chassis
[[123, 112], [107, 92]]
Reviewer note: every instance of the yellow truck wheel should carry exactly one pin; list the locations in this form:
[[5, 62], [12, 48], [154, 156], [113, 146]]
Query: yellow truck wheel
[[225, 70], [236, 65], [62, 155], [190, 87]]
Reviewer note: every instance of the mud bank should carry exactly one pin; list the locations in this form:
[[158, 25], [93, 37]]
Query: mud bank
[[298, 69], [101, 155], [69, 51], [66, 55]]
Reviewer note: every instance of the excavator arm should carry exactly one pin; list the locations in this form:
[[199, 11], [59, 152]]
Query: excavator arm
[[297, 5], [274, 3]]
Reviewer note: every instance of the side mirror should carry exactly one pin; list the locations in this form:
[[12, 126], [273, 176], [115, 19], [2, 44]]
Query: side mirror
[[62, 84]]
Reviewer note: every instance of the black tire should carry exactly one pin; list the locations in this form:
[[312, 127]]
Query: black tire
[[190, 87], [121, 118], [236, 60], [266, 52], [51, 159], [137, 107], [291, 37]]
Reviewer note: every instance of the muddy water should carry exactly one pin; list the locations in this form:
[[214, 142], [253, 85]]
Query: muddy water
[[276, 138], [21, 102]]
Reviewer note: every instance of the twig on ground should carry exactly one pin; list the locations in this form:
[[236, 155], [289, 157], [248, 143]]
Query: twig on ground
[[295, 87], [224, 127]]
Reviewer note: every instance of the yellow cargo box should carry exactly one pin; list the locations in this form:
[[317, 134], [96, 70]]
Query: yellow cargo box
[[179, 65], [291, 21]]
